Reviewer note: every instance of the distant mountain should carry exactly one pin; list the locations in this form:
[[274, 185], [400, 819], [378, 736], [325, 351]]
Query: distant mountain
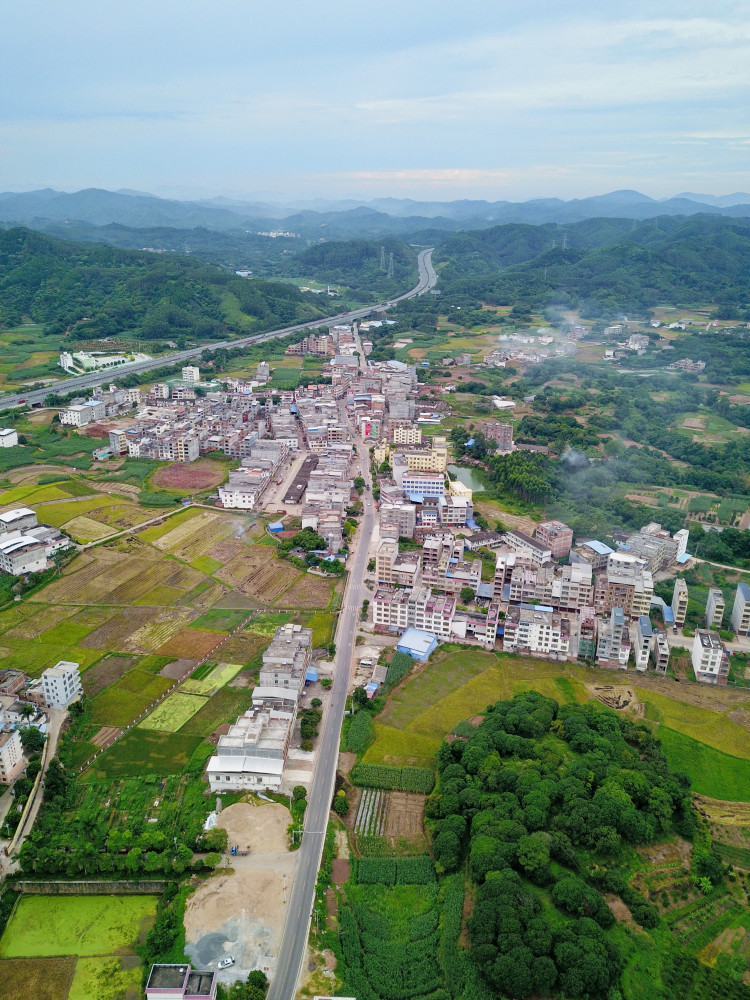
[[322, 219]]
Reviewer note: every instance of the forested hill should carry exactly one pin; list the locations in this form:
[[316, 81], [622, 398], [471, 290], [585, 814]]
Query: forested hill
[[98, 290], [357, 264], [603, 265]]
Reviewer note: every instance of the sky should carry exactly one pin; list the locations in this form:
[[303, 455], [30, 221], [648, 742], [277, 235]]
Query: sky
[[432, 101]]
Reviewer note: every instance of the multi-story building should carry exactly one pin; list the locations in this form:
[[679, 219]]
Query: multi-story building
[[624, 584], [715, 607], [253, 752], [18, 519], [555, 536], [191, 373], [741, 610], [586, 634], [422, 484], [536, 629], [426, 458], [405, 432], [643, 640], [593, 552], [710, 662], [415, 608], [21, 554], [536, 552], [61, 684], [180, 982], [401, 513], [118, 441], [660, 652], [680, 602], [11, 754], [287, 659], [613, 642], [501, 434]]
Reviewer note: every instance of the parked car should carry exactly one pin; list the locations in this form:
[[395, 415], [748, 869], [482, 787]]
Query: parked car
[[225, 963]]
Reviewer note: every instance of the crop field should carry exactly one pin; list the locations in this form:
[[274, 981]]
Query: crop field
[[107, 671], [712, 773], [309, 591], [189, 477], [160, 596], [41, 978], [189, 537], [143, 751], [85, 529], [225, 706], [34, 657], [28, 495], [241, 648], [399, 747], [205, 564], [76, 925], [173, 712], [220, 619], [43, 620], [322, 628], [189, 642], [269, 581], [119, 704], [216, 678], [447, 674], [714, 729], [157, 531]]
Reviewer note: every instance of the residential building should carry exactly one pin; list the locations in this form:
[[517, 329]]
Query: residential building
[[613, 642], [680, 602], [252, 754], [8, 437], [11, 754], [426, 458], [586, 634], [415, 608], [555, 536], [643, 640], [61, 684], [180, 982], [400, 513], [287, 658], [653, 546], [18, 519], [593, 552], [21, 554], [625, 584], [741, 610], [536, 629], [710, 662], [416, 484], [715, 607], [535, 551], [118, 441], [660, 651], [11, 681], [405, 432], [191, 373], [501, 434]]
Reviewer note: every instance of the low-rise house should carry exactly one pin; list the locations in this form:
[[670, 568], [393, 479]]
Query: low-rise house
[[8, 437], [709, 658], [253, 753], [180, 982], [62, 684]]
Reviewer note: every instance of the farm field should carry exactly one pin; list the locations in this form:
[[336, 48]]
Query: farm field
[[75, 947], [143, 751], [192, 477], [173, 712]]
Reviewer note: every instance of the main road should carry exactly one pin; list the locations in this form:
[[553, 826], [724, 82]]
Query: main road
[[427, 279], [297, 926]]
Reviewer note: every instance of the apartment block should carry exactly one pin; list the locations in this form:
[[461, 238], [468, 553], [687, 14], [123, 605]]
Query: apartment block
[[586, 634], [593, 552], [11, 754], [536, 629], [401, 513], [555, 536], [415, 608], [644, 636], [715, 608], [501, 434], [741, 610], [61, 684], [405, 432], [613, 642], [710, 662], [660, 653], [252, 754], [536, 552], [416, 484], [287, 658], [679, 602]]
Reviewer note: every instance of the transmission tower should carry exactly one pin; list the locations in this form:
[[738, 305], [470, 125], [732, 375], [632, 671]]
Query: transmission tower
[[565, 242], [390, 264], [382, 258]]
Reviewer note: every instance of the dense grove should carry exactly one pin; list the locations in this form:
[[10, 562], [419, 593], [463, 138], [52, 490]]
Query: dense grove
[[542, 801]]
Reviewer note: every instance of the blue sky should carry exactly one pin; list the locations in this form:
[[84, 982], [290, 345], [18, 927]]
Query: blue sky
[[430, 101]]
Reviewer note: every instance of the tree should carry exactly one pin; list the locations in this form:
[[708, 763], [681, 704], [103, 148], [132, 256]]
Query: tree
[[341, 803], [467, 595], [31, 740], [299, 792]]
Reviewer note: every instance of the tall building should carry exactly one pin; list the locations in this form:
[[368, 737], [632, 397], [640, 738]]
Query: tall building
[[11, 754], [680, 602], [643, 639], [715, 607], [556, 536], [531, 628], [191, 373], [741, 610], [708, 658], [61, 684], [613, 642]]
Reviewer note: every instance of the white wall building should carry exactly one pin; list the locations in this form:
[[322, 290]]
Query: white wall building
[[741, 610], [191, 373], [21, 554], [644, 636], [715, 608], [8, 437], [253, 752], [61, 684], [708, 653], [11, 754]]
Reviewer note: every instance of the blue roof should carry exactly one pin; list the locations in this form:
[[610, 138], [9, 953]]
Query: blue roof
[[668, 615], [418, 640], [472, 524], [599, 547], [469, 443], [644, 623], [685, 557], [416, 498], [618, 616], [485, 590], [276, 526], [311, 674], [744, 590]]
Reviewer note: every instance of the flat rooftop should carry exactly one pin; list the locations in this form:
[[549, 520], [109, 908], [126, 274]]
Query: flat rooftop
[[167, 977]]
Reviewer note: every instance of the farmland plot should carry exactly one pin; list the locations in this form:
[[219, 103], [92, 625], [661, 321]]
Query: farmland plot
[[44, 619], [107, 671], [308, 592], [269, 581], [173, 712], [86, 529], [372, 813], [152, 636]]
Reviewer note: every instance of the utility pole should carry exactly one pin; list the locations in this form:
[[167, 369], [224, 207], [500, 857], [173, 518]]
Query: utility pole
[[382, 258], [390, 265], [565, 242]]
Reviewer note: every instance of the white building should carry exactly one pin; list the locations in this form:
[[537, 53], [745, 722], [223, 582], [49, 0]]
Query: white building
[[18, 519], [287, 658], [535, 628], [191, 373], [708, 653], [83, 413], [21, 554], [61, 684], [715, 608], [680, 602], [11, 754], [415, 608], [8, 437], [252, 754], [643, 640], [741, 610], [118, 441]]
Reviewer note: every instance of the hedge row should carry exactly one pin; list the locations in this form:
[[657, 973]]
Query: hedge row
[[394, 871], [404, 779]]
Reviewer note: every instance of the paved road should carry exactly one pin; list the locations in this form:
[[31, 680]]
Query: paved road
[[294, 941], [427, 279]]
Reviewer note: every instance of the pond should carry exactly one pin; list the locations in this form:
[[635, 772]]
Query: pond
[[474, 478]]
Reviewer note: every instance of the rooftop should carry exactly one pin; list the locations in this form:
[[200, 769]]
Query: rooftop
[[167, 977]]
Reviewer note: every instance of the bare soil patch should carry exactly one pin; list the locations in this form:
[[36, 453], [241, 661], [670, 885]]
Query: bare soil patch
[[106, 672], [178, 668], [258, 828], [341, 871], [308, 592], [241, 648], [192, 476], [724, 813], [667, 853], [620, 911], [617, 696], [106, 736], [405, 816], [347, 762], [476, 720]]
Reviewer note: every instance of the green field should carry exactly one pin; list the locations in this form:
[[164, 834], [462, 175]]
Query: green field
[[205, 564], [712, 773], [75, 925], [711, 728], [397, 747], [173, 713], [225, 706], [157, 531], [104, 979], [222, 674], [220, 620], [144, 752]]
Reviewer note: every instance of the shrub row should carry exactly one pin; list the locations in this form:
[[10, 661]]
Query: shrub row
[[405, 779]]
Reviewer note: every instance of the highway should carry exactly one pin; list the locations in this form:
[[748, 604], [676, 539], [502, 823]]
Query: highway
[[427, 279], [296, 928]]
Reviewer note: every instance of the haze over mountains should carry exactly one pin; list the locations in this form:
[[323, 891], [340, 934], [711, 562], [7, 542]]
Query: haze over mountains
[[381, 216]]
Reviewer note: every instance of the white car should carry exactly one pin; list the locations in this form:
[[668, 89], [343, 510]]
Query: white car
[[225, 963]]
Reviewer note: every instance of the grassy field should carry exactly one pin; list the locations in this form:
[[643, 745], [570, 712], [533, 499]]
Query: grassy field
[[144, 752], [46, 926], [712, 773], [221, 674], [398, 747], [700, 723], [220, 620], [41, 978]]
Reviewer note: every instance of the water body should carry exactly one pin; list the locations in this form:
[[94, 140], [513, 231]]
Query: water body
[[472, 477]]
